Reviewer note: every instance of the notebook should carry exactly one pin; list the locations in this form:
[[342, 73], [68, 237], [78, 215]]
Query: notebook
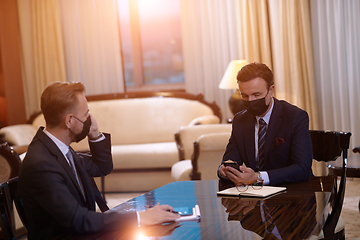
[[266, 191]]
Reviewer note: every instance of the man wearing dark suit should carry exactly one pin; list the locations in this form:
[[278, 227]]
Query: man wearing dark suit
[[283, 152], [55, 183]]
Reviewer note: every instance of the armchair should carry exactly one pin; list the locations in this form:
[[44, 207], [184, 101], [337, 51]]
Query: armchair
[[185, 137], [208, 152], [356, 149]]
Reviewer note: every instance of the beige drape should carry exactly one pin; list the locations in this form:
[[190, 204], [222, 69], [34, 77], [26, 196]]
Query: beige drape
[[293, 62], [336, 40], [254, 31], [42, 48], [69, 40], [92, 44], [215, 32], [292, 55]]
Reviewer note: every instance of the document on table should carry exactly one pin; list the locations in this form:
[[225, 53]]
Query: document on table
[[266, 191]]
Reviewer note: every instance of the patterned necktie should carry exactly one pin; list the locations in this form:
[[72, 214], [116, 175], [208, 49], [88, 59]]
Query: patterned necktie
[[261, 141], [69, 155]]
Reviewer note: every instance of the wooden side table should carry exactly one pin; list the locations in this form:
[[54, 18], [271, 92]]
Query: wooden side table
[[353, 168]]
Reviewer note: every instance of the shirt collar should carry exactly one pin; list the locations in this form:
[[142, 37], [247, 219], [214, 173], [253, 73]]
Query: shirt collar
[[267, 116], [62, 146]]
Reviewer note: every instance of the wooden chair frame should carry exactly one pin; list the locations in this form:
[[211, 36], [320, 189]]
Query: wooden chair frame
[[9, 196], [12, 158], [327, 146]]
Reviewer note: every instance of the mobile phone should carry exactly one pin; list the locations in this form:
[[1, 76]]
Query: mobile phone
[[184, 211], [231, 164]]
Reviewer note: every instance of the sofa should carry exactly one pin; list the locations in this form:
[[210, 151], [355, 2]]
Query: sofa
[[142, 127]]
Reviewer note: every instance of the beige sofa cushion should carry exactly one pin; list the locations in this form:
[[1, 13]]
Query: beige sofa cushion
[[135, 181], [39, 121], [160, 118], [181, 170], [208, 119], [148, 155], [19, 135]]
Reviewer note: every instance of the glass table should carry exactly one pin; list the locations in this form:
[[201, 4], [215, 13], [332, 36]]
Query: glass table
[[298, 213]]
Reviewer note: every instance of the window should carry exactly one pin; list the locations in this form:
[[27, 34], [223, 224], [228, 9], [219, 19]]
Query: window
[[150, 32]]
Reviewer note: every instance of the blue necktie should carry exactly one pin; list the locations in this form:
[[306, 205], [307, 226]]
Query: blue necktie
[[261, 141]]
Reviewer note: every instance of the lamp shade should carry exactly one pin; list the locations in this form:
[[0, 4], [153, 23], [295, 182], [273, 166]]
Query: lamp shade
[[229, 79]]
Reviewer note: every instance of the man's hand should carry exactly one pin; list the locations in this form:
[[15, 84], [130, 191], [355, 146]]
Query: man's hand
[[94, 130], [157, 215], [222, 170], [246, 176]]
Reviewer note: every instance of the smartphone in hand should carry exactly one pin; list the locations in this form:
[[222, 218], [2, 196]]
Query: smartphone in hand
[[231, 163], [184, 211]]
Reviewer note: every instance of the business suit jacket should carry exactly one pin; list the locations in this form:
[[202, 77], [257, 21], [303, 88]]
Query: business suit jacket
[[52, 198], [287, 149]]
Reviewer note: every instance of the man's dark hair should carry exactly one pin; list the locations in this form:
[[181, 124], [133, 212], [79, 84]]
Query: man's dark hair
[[255, 70]]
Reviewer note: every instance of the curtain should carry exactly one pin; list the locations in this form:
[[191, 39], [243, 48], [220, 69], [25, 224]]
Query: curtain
[[83, 34], [42, 48], [293, 62], [336, 40], [214, 32], [292, 54], [92, 44]]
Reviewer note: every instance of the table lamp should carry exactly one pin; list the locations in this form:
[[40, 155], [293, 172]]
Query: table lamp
[[229, 81]]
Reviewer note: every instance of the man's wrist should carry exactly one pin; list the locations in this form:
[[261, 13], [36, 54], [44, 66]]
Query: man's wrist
[[96, 137], [259, 177]]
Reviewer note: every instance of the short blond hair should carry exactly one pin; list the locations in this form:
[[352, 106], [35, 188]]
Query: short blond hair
[[59, 98]]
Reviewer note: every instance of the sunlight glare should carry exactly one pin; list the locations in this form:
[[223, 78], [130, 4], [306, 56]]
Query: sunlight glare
[[157, 8], [141, 236]]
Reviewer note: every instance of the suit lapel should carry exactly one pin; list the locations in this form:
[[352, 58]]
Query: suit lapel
[[276, 120], [249, 139], [54, 150]]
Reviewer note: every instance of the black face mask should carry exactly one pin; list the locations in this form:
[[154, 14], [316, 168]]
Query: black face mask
[[257, 107], [85, 130]]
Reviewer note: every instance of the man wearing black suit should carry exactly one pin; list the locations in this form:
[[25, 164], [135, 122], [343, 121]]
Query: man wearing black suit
[[286, 151], [55, 183]]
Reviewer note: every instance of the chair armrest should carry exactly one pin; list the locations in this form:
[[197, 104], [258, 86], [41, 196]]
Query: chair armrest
[[212, 142], [179, 146], [356, 150], [180, 171], [208, 119]]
